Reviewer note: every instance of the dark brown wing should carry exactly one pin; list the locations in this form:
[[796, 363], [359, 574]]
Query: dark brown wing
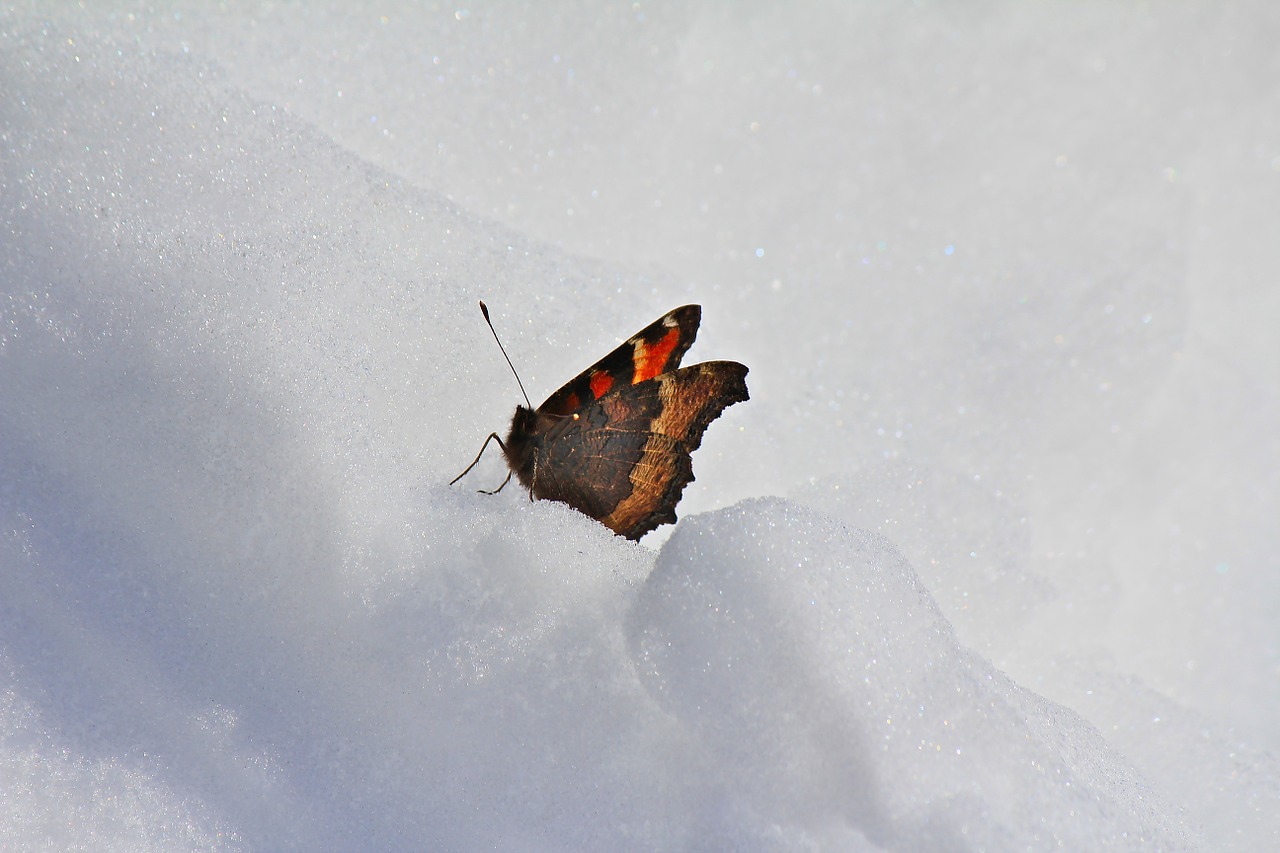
[[625, 459], [654, 350]]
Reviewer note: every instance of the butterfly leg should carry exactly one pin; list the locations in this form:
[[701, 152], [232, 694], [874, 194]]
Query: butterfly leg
[[493, 436], [500, 488], [533, 479]]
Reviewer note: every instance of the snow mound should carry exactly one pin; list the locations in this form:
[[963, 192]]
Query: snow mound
[[822, 680]]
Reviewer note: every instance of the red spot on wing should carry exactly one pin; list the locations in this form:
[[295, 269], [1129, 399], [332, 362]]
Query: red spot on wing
[[601, 382], [651, 360], [571, 403]]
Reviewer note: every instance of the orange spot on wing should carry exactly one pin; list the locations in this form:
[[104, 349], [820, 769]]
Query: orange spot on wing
[[601, 382], [650, 360]]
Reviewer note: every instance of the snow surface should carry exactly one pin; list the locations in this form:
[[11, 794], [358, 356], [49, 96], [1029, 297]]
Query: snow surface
[[988, 562]]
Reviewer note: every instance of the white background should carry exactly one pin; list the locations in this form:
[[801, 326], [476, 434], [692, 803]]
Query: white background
[[1006, 279]]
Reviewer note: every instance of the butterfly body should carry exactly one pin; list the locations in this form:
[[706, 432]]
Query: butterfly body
[[615, 442]]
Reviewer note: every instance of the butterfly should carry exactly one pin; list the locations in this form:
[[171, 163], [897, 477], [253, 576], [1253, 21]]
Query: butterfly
[[615, 443]]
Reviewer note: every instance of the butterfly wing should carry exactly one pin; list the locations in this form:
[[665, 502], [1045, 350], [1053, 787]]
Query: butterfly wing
[[654, 350], [625, 460]]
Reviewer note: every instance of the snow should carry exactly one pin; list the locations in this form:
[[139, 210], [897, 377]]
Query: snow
[[988, 562]]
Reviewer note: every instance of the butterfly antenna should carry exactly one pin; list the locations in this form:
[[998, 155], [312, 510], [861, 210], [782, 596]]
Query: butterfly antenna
[[484, 309]]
